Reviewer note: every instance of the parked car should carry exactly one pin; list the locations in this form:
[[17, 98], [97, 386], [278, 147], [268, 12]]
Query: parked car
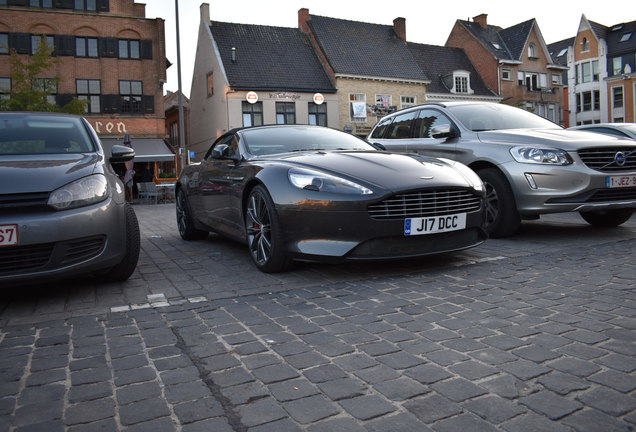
[[63, 208], [311, 193], [625, 130], [530, 166]]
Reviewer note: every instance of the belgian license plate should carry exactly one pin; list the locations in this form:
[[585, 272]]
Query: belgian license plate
[[8, 235], [620, 181], [434, 224]]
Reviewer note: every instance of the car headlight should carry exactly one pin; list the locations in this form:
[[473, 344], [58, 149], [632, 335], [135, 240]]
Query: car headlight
[[471, 176], [85, 191], [319, 181], [540, 156]]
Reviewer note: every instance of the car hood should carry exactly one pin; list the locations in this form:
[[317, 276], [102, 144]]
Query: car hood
[[44, 173], [559, 138], [391, 171]]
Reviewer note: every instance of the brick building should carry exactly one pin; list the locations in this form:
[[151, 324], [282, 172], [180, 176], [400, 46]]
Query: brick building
[[109, 54], [514, 62]]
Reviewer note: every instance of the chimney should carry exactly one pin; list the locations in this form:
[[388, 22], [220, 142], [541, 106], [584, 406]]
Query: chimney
[[303, 17], [204, 11], [399, 27], [482, 20]]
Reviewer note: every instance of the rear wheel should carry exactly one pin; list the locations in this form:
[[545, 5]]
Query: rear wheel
[[607, 218], [264, 234], [502, 217], [127, 265], [184, 219]]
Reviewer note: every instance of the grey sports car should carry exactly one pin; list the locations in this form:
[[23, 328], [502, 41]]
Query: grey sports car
[[310, 193], [62, 207]]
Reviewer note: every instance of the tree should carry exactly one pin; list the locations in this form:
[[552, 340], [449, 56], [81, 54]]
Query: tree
[[30, 92]]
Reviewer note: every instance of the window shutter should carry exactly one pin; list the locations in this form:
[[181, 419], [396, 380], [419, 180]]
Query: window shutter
[[63, 4], [146, 49], [103, 5], [20, 42], [110, 103], [64, 45], [148, 104], [18, 2], [108, 47], [64, 99]]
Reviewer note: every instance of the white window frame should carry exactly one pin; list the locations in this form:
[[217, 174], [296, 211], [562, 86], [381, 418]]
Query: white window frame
[[357, 98], [506, 74], [464, 78], [407, 101]]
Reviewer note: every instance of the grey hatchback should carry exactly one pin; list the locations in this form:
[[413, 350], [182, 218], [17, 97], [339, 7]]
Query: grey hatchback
[[529, 165], [62, 207]]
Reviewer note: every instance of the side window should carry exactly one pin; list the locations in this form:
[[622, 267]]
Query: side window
[[401, 126], [379, 131], [427, 120]]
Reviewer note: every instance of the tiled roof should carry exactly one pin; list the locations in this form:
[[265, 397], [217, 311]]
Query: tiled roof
[[439, 61], [599, 29], [269, 58], [560, 47], [618, 39], [363, 49], [515, 37]]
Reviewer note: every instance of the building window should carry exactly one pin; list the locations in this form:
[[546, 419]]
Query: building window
[[461, 84], [129, 49], [617, 97], [595, 71], [130, 93], [506, 74], [358, 107], [626, 37], [46, 85], [407, 101], [37, 40], [85, 46], [585, 45], [252, 114], [318, 114], [210, 83], [86, 5], [5, 88], [4, 43], [617, 65], [285, 113], [531, 80], [384, 100], [556, 79], [89, 90], [532, 51], [41, 3]]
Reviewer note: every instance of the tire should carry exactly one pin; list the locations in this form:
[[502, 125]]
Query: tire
[[126, 267], [502, 217], [185, 224], [607, 218], [264, 234]]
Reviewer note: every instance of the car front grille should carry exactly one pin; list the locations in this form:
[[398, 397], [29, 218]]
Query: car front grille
[[23, 202], [615, 159], [48, 256], [425, 203]]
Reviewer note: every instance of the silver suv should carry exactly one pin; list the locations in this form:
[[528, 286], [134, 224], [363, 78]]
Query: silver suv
[[530, 166]]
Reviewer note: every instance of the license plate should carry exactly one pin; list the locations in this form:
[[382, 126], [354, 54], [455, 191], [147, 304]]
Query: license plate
[[620, 181], [434, 224], [8, 235]]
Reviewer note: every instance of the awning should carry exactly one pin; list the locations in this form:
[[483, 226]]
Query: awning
[[146, 149]]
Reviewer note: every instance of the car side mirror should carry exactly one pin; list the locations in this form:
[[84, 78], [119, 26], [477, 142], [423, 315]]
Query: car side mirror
[[222, 151], [378, 146], [443, 131], [120, 153]]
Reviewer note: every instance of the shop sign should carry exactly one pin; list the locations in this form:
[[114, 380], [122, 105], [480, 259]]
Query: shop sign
[[284, 96], [110, 127], [251, 97]]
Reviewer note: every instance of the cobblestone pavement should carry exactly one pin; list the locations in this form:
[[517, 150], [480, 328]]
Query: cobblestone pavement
[[532, 333]]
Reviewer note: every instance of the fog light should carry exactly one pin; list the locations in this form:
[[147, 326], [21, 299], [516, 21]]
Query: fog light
[[531, 182]]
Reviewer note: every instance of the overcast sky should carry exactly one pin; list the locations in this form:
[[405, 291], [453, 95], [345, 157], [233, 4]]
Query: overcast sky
[[557, 20]]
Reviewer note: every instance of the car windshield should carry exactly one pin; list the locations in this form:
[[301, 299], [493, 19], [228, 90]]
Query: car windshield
[[272, 140], [42, 134], [492, 116]]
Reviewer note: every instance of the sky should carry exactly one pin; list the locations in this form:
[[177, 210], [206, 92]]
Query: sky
[[425, 24]]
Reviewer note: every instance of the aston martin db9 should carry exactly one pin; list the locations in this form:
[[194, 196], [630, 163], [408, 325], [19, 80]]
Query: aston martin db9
[[309, 193], [62, 207]]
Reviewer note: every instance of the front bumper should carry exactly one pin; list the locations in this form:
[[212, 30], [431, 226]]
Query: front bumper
[[540, 189], [65, 243]]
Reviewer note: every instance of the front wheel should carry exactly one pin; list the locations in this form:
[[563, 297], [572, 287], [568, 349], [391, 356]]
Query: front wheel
[[502, 217], [264, 234], [607, 218], [127, 265]]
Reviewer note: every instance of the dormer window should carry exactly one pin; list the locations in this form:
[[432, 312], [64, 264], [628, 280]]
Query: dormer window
[[626, 37], [461, 81], [532, 51]]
